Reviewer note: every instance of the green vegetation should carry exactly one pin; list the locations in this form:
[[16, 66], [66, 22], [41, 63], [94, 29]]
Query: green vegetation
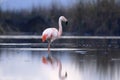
[[97, 18]]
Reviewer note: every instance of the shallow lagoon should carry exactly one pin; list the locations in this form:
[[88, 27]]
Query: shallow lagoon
[[18, 64]]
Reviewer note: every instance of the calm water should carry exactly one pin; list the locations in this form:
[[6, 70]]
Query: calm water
[[18, 64]]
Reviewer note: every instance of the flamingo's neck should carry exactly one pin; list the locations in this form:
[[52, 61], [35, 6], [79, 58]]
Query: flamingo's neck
[[60, 26]]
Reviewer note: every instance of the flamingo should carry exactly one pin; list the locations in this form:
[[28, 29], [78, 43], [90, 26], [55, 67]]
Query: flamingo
[[52, 34]]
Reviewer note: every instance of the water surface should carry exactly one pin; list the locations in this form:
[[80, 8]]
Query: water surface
[[18, 64]]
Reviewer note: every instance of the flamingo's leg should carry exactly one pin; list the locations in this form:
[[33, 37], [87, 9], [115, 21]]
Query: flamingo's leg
[[49, 47]]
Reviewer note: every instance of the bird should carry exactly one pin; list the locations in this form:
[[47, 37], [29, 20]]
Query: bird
[[51, 34]]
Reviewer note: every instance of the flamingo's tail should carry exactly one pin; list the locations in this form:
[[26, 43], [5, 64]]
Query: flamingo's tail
[[44, 37]]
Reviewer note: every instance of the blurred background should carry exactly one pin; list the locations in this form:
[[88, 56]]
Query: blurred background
[[86, 17], [91, 59]]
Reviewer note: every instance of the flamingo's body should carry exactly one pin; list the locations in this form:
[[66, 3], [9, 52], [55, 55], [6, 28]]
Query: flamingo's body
[[51, 34]]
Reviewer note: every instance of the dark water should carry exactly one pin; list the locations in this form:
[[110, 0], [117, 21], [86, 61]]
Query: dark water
[[19, 64]]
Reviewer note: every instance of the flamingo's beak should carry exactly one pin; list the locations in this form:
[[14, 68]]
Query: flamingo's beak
[[44, 38], [66, 22]]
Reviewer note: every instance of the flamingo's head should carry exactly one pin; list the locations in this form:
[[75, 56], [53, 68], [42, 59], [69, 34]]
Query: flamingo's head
[[44, 37], [63, 19]]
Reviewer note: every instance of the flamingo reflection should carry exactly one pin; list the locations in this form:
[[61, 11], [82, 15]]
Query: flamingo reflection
[[52, 60]]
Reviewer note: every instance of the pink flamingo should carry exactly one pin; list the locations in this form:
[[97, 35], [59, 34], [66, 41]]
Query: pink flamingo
[[51, 34]]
